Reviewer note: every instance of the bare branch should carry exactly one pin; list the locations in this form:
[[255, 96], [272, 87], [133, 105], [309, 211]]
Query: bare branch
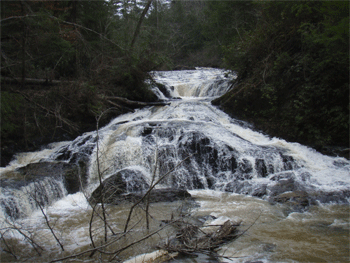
[[65, 22], [8, 249], [150, 189], [47, 220]]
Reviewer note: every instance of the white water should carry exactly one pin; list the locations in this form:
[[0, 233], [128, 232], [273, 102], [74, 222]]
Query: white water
[[228, 157]]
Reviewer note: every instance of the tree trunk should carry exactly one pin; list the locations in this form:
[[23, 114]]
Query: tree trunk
[[137, 30], [23, 47]]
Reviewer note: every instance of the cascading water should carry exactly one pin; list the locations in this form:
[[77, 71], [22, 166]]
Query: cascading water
[[299, 196]]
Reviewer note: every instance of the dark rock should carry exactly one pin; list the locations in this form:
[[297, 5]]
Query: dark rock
[[290, 192], [271, 169], [340, 163], [340, 196], [281, 176], [10, 207], [165, 90], [260, 191], [285, 183], [245, 166], [230, 187], [85, 144], [208, 158], [244, 171], [147, 131], [260, 167], [293, 193], [77, 177], [239, 187], [305, 176], [288, 162], [123, 182], [296, 199]]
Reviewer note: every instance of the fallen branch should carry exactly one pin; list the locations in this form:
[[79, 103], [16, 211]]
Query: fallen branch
[[111, 242], [191, 239]]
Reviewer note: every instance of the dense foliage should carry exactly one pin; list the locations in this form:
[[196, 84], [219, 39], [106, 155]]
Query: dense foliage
[[294, 72], [62, 60]]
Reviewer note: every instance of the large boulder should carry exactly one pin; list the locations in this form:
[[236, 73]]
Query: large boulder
[[131, 185], [124, 181]]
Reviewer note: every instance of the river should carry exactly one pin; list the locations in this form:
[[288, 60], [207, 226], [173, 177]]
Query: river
[[293, 200]]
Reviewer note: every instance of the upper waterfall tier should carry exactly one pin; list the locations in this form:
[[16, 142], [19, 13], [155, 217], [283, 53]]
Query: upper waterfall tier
[[202, 82]]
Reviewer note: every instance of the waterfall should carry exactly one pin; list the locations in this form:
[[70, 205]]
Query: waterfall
[[226, 154]]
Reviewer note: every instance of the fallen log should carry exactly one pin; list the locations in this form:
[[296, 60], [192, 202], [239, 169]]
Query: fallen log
[[32, 81]]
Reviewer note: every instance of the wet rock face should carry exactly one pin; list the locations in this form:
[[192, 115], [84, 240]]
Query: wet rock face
[[293, 193], [289, 191], [335, 196], [200, 171], [286, 188], [285, 183], [72, 175], [39, 184], [213, 164]]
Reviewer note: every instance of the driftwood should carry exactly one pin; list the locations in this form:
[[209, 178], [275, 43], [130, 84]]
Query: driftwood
[[193, 239], [136, 104]]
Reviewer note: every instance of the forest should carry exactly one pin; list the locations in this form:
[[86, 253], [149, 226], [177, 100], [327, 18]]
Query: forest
[[64, 63]]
